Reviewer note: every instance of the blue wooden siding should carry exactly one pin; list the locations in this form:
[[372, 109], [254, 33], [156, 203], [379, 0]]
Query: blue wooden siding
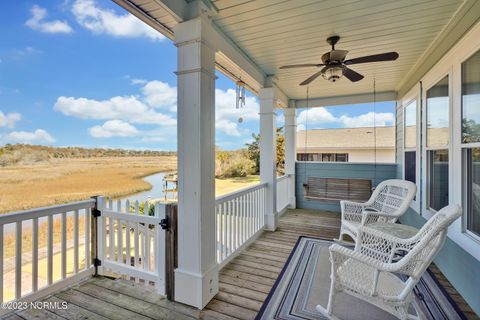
[[376, 173]]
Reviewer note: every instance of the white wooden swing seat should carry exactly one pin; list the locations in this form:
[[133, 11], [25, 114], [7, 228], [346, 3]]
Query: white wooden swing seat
[[337, 189]]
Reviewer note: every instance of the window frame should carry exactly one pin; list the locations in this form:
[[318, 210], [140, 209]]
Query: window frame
[[413, 96], [428, 83], [449, 63], [464, 146]]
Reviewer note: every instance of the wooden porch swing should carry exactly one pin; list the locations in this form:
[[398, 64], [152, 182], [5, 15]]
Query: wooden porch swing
[[326, 189]]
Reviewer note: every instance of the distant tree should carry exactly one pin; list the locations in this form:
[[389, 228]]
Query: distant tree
[[254, 151], [470, 131]]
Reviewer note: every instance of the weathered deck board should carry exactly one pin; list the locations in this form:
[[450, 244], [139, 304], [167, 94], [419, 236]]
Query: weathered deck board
[[244, 283]]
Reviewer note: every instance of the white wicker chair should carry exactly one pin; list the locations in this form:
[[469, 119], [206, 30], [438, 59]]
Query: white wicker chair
[[371, 271], [389, 201]]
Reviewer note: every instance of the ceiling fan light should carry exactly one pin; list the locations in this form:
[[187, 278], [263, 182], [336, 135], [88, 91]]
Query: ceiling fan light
[[333, 74]]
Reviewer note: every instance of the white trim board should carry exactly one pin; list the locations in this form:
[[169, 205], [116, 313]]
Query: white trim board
[[450, 64]]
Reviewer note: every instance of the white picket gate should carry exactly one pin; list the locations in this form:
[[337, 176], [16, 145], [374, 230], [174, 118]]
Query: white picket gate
[[131, 243]]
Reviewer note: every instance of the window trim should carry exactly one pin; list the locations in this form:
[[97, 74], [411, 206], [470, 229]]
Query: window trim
[[412, 96], [429, 82], [463, 146], [450, 63], [465, 183]]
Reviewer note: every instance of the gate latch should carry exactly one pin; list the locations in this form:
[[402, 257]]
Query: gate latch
[[164, 223]]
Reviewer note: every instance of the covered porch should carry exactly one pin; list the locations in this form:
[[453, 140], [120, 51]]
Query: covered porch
[[244, 282], [231, 249]]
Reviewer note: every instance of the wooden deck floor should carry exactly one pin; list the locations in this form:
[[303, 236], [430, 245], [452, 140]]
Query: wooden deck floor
[[244, 282]]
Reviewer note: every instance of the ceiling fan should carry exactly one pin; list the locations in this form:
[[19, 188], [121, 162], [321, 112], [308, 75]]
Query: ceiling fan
[[335, 66]]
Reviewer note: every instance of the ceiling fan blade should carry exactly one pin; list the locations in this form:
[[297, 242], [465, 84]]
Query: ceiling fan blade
[[312, 77], [338, 55], [352, 75], [291, 66], [388, 56]]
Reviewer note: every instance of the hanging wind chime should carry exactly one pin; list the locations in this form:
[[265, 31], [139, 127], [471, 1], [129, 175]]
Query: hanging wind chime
[[240, 97]]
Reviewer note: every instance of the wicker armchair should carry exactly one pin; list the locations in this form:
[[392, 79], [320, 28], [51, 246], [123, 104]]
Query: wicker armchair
[[371, 271], [389, 201]]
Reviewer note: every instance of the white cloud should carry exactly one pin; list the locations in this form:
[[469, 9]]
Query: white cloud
[[139, 81], [368, 120], [228, 127], [38, 136], [126, 108], [17, 54], [103, 21], [158, 94], [318, 117], [227, 115], [37, 22], [113, 128], [8, 120]]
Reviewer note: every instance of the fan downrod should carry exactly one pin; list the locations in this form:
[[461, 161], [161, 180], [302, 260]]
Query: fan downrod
[[333, 41]]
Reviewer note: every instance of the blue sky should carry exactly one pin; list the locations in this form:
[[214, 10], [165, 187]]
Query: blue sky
[[86, 73]]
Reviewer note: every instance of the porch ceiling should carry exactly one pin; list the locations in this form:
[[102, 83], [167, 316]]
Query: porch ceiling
[[273, 33]]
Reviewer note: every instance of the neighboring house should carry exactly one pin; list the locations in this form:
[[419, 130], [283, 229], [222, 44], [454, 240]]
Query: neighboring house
[[347, 145]]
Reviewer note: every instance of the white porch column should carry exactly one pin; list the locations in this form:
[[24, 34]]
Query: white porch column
[[196, 279], [268, 155], [290, 151]]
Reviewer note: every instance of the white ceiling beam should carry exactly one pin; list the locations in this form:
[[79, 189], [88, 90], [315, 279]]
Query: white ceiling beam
[[344, 100]]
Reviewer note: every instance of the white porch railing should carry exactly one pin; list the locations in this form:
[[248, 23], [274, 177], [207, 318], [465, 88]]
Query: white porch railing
[[53, 241], [131, 243], [69, 242], [240, 217], [283, 192]]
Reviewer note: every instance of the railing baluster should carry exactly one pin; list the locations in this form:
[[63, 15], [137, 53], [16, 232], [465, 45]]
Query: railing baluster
[[34, 254], [18, 260], [225, 232], [64, 245], [147, 247], [250, 214], [236, 204], [50, 251], [87, 239], [136, 240], [127, 236], [243, 220], [222, 231], [111, 240], [75, 242], [119, 235]]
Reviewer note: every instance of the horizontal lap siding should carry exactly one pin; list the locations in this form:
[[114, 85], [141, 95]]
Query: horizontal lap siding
[[338, 170]]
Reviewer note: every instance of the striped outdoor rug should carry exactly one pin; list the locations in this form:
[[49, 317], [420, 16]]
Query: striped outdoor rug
[[305, 282]]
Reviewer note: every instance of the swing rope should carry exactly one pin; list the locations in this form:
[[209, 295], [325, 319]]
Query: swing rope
[[305, 144]]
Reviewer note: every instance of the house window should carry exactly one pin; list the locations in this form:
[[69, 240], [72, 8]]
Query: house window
[[472, 184], [341, 157], [437, 144], [411, 166], [328, 157], [410, 141], [471, 140], [438, 179], [323, 157]]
